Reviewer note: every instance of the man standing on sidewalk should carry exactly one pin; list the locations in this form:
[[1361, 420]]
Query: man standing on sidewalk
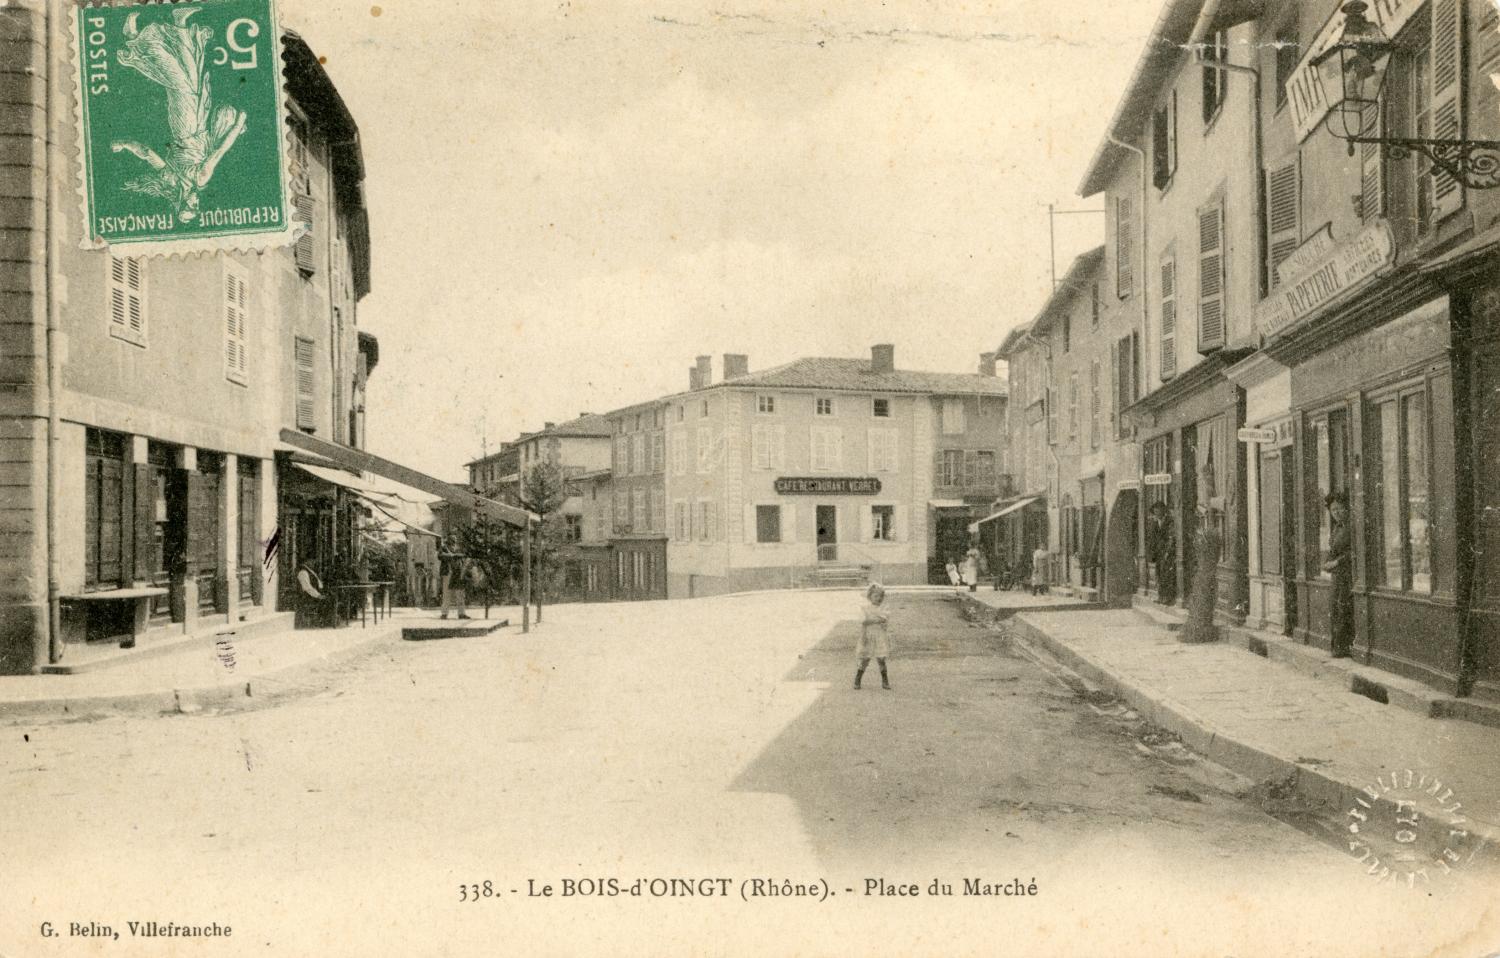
[[451, 565], [1340, 564]]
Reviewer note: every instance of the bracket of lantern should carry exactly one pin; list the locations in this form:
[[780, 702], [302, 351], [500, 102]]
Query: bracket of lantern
[[1364, 53]]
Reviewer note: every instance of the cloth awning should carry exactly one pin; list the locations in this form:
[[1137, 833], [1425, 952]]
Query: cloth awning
[[1014, 506], [386, 502], [338, 477], [361, 461], [947, 503]]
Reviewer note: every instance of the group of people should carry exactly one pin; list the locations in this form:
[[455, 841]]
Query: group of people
[[966, 571]]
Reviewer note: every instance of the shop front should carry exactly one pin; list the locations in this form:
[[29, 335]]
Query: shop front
[[1270, 491], [1193, 483]]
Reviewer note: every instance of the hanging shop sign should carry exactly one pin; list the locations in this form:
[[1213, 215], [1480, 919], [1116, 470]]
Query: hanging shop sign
[[1338, 271], [1256, 435], [827, 486], [1158, 479], [1125, 485]]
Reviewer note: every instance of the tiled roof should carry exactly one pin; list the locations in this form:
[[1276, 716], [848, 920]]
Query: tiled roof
[[822, 372], [1077, 279], [590, 425]]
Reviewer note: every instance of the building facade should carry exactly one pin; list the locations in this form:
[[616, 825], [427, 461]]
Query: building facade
[[1315, 318], [638, 501], [822, 465], [134, 511]]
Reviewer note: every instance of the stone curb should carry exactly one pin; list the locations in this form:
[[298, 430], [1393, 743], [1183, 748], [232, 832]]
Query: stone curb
[[253, 690], [1203, 737]]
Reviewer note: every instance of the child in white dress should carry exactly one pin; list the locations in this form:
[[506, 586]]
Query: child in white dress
[[874, 636]]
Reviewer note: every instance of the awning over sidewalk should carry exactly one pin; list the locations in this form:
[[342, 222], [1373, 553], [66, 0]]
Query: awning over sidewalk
[[384, 501], [361, 461], [1013, 507]]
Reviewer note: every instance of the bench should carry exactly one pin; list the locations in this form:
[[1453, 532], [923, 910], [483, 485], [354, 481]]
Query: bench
[[107, 614]]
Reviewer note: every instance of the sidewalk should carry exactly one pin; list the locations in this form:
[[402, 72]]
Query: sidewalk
[[203, 675], [1269, 721]]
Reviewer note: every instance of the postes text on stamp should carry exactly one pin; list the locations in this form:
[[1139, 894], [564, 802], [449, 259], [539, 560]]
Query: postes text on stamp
[[182, 141]]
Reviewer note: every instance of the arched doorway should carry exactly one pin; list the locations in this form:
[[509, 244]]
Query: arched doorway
[[1121, 547]]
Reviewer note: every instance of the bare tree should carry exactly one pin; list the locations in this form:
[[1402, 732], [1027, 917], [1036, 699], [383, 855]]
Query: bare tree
[[544, 489]]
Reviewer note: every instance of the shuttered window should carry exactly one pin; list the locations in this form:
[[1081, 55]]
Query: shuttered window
[[1447, 98], [1051, 415], [1164, 142], [127, 298], [236, 361], [304, 210], [1073, 406], [304, 353], [1211, 278], [1168, 318], [1283, 219], [1095, 402], [1124, 384], [1124, 247]]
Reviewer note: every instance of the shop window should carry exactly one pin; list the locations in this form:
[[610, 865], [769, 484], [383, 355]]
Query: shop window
[[1157, 458], [1401, 479], [767, 523], [1328, 474], [104, 509], [883, 523], [1270, 513]]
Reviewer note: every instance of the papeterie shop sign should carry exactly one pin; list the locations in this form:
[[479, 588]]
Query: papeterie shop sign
[[1309, 89], [827, 486], [1338, 271]]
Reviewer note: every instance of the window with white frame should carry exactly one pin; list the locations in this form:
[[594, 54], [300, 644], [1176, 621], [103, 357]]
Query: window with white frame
[[768, 446], [622, 455], [659, 453], [639, 515], [1073, 406], [127, 298], [883, 523], [765, 404], [823, 406], [638, 463], [658, 512], [827, 448], [236, 300], [882, 446], [953, 417]]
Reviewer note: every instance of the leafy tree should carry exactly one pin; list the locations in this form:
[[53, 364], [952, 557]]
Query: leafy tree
[[544, 489]]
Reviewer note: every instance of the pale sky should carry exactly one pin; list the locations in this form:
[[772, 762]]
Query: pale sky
[[571, 200]]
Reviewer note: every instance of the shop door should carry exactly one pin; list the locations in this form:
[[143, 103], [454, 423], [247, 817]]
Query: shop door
[[1187, 513], [828, 533]]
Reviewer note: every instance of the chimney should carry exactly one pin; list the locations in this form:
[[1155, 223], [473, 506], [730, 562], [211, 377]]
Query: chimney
[[546, 426], [693, 382], [883, 358], [705, 372], [986, 364], [736, 364]]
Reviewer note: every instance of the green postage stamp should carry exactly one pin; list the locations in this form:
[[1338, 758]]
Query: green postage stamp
[[182, 133]]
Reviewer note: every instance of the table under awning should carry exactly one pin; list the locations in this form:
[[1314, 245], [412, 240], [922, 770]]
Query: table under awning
[[361, 461], [1013, 507]]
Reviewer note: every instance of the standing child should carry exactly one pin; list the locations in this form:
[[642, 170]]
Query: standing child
[[874, 636]]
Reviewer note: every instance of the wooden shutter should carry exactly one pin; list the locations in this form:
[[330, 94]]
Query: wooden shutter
[[1447, 98], [203, 522], [305, 211], [1371, 163], [1123, 247], [1168, 318], [1283, 220], [127, 298], [1210, 278], [143, 516], [135, 282], [788, 523], [248, 516], [1095, 400], [306, 411], [236, 362], [1051, 415], [1114, 385]]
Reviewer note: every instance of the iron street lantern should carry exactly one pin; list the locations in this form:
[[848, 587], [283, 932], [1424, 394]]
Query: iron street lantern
[[1364, 53]]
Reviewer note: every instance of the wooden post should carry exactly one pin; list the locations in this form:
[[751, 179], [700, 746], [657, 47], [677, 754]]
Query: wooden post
[[526, 578]]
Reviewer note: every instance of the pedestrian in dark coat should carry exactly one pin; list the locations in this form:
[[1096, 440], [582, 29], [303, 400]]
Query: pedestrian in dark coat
[[1341, 564]]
